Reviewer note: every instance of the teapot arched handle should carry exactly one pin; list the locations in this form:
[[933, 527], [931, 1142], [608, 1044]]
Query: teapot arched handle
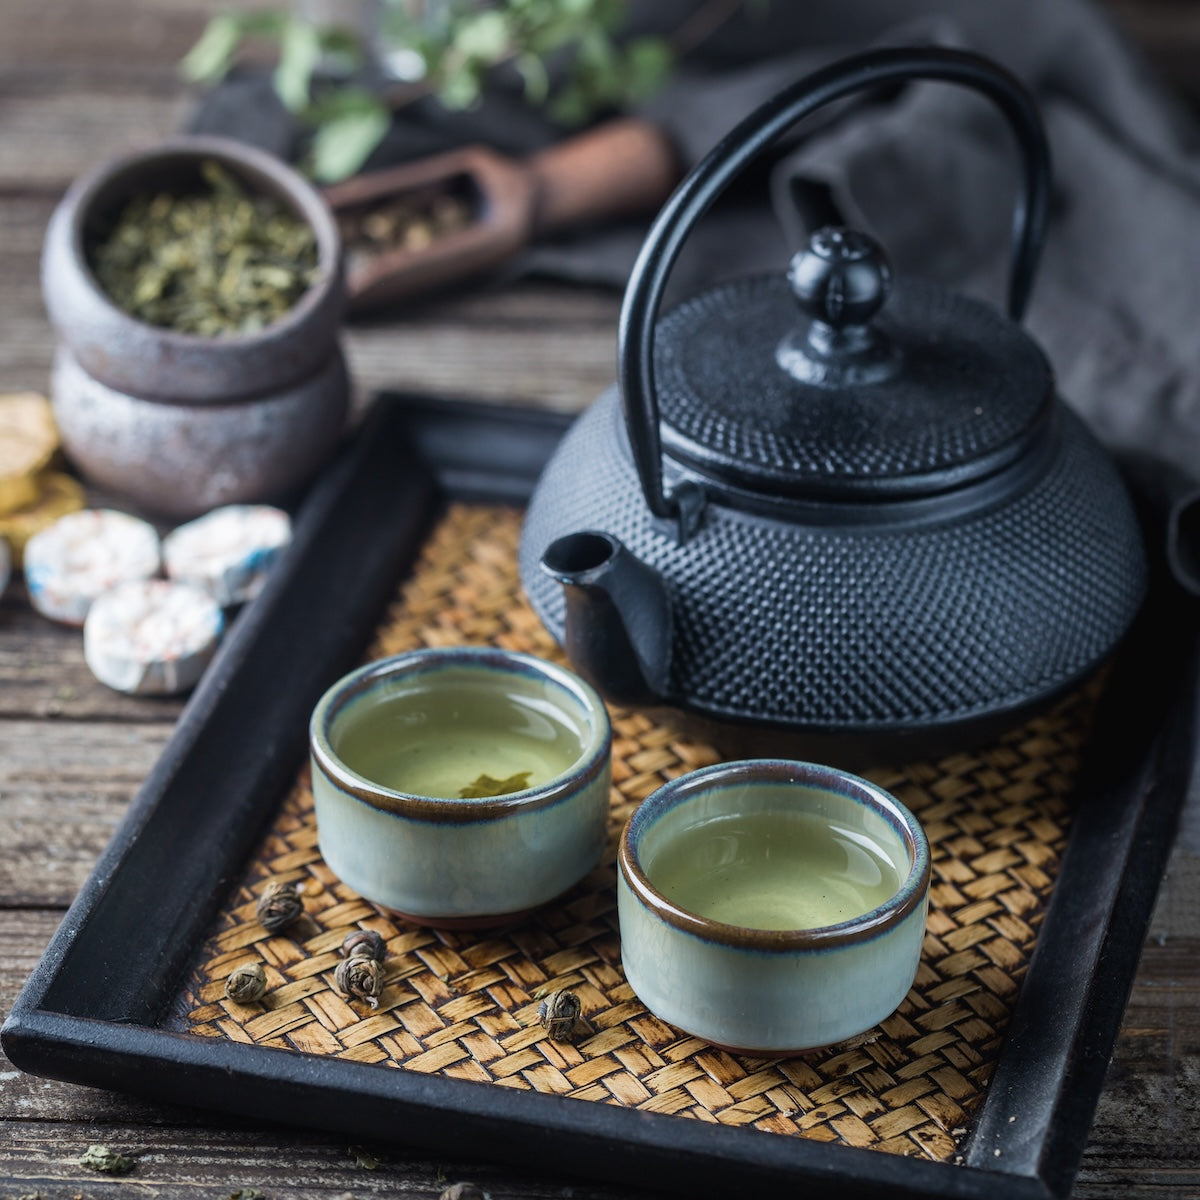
[[736, 150]]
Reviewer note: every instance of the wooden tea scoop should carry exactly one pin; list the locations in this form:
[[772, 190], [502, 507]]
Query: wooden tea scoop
[[423, 225]]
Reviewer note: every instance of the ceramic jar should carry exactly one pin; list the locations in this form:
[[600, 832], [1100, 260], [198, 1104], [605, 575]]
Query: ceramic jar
[[179, 423]]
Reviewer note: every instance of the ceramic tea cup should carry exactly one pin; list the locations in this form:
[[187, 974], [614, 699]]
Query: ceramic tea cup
[[772, 906], [460, 786]]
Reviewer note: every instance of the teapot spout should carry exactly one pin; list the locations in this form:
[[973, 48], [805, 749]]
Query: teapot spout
[[618, 626]]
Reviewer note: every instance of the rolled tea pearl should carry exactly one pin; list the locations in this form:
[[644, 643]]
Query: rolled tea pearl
[[364, 943], [360, 979], [279, 906], [246, 984]]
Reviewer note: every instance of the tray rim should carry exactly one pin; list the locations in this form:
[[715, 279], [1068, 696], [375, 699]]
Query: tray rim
[[90, 1016]]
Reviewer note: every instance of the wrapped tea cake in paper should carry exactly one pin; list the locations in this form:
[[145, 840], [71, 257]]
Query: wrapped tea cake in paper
[[229, 551], [84, 554], [152, 636]]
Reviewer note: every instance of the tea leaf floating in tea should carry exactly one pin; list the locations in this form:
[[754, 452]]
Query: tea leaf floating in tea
[[485, 785], [220, 261]]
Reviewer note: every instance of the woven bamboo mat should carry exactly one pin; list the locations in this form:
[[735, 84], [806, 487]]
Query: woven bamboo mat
[[464, 1004]]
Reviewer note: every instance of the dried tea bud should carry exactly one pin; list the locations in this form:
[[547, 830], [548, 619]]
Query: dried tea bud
[[464, 1191], [364, 943], [360, 979], [278, 906], [246, 984], [558, 1012]]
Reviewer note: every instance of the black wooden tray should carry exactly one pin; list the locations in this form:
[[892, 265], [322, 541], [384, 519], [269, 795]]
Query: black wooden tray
[[91, 1013]]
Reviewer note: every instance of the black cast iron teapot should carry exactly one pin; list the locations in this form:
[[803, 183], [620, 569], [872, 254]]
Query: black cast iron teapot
[[871, 524]]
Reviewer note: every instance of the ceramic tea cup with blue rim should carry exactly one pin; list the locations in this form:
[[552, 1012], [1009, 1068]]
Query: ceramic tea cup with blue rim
[[460, 786], [771, 906]]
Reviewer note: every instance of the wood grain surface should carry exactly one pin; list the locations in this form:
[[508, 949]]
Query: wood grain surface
[[80, 79]]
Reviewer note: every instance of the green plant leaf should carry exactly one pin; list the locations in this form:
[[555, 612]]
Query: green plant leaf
[[343, 141], [595, 51], [461, 88], [341, 49], [464, 44], [608, 14], [534, 76], [210, 58], [484, 35], [571, 106], [299, 53], [648, 62]]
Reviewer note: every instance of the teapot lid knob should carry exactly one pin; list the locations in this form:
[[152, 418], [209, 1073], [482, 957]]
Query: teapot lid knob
[[840, 280], [842, 277]]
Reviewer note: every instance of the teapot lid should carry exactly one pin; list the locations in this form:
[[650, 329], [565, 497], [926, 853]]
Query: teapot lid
[[871, 394]]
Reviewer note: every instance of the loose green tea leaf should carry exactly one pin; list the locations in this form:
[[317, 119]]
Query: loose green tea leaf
[[366, 1159], [101, 1158], [211, 262], [485, 785]]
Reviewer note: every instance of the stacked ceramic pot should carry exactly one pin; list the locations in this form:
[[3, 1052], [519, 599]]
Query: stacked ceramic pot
[[175, 422]]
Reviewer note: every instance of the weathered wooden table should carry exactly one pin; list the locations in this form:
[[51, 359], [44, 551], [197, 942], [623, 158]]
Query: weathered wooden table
[[80, 79]]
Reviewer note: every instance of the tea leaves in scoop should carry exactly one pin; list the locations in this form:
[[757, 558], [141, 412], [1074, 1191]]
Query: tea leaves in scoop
[[215, 261], [410, 222]]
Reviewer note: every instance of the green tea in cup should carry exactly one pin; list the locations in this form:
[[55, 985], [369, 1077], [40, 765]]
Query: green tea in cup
[[457, 742], [774, 870]]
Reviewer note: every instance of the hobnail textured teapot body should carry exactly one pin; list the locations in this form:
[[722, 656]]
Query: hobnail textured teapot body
[[882, 530], [932, 628]]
